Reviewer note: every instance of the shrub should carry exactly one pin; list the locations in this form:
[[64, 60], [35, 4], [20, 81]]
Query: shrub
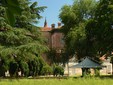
[[58, 70], [97, 72], [41, 65], [3, 67], [13, 68], [24, 68], [46, 70], [35, 66]]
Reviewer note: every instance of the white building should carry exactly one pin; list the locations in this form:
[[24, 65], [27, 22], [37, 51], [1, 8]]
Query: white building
[[107, 70]]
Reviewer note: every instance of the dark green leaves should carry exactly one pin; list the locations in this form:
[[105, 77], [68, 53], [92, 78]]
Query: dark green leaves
[[12, 9], [9, 16], [74, 18]]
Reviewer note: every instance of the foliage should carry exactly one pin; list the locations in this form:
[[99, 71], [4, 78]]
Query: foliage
[[97, 72], [29, 15], [75, 17], [24, 68], [12, 8], [3, 24], [46, 70], [42, 64], [35, 66], [54, 56], [21, 43], [58, 70], [80, 11], [100, 28], [13, 68]]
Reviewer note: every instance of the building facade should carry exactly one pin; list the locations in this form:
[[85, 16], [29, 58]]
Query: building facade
[[53, 37]]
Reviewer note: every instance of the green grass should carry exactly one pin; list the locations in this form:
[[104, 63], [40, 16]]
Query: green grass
[[70, 81]]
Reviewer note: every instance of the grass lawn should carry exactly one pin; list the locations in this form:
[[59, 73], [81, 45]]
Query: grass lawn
[[70, 81]]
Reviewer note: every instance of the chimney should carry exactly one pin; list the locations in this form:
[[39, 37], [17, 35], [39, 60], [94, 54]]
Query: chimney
[[59, 24], [52, 25]]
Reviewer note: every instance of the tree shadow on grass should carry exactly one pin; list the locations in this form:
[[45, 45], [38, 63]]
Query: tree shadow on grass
[[101, 77], [106, 76]]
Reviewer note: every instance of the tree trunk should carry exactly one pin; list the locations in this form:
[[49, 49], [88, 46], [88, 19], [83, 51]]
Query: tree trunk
[[112, 68], [68, 68], [83, 72]]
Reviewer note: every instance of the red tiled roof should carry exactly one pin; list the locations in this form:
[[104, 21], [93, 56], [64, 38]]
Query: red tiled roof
[[46, 29], [103, 58], [49, 28]]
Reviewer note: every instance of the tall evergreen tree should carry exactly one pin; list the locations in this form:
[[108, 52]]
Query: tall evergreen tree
[[21, 42], [12, 8]]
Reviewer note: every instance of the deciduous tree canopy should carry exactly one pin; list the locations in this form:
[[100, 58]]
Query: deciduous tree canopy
[[75, 17], [100, 27]]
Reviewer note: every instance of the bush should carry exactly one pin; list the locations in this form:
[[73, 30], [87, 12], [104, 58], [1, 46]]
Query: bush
[[3, 67], [41, 65], [86, 72], [58, 70], [46, 70], [97, 72], [2, 70], [35, 66], [24, 68], [13, 68]]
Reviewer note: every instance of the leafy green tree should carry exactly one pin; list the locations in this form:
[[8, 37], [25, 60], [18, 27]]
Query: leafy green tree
[[103, 26], [100, 28], [75, 18]]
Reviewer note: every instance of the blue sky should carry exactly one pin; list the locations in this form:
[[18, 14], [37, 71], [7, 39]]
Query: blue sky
[[52, 11]]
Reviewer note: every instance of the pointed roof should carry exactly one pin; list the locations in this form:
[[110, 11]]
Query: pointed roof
[[46, 28], [87, 63], [45, 23]]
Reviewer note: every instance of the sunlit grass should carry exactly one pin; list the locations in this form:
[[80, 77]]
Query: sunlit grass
[[70, 81]]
